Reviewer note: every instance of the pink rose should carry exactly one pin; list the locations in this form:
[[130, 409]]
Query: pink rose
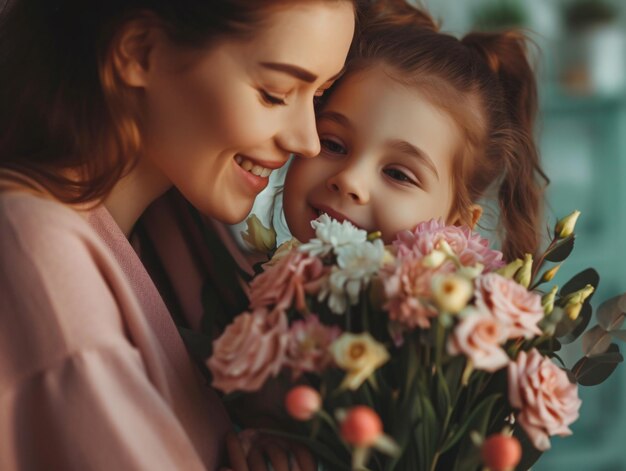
[[469, 246], [309, 346], [479, 336], [510, 303], [250, 350], [291, 277], [408, 288], [548, 402]]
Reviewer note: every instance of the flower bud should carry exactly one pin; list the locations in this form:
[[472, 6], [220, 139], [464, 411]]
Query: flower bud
[[573, 310], [501, 452], [302, 402], [547, 300], [452, 292], [565, 227], [508, 271], [580, 296], [548, 275], [361, 426], [471, 272], [257, 236], [434, 259], [374, 235], [524, 274], [445, 248]]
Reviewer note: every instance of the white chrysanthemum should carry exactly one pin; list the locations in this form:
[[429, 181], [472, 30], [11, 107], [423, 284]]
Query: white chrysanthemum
[[331, 234], [356, 265]]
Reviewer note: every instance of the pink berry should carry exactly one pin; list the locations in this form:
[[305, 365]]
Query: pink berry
[[361, 426], [302, 402], [501, 452]]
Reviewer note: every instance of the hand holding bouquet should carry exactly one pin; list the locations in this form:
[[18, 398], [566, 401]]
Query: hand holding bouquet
[[420, 355]]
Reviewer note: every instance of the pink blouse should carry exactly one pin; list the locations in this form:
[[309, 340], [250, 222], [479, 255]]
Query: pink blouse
[[93, 373]]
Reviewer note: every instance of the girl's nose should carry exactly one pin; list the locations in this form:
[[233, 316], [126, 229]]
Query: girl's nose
[[351, 182]]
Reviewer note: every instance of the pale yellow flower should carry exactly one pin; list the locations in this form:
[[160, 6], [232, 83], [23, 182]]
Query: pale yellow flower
[[257, 236], [547, 300], [452, 292], [282, 251], [565, 227], [359, 355], [524, 274], [509, 271], [549, 274]]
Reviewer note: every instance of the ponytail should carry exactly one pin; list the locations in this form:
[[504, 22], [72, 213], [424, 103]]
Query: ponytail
[[511, 145]]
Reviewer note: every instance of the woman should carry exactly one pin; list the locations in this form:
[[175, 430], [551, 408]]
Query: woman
[[106, 105]]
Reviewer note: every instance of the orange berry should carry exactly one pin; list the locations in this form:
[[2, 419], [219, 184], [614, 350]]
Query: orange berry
[[501, 452], [302, 402], [361, 426]]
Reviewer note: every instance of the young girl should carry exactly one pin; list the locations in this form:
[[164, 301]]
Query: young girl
[[423, 125]]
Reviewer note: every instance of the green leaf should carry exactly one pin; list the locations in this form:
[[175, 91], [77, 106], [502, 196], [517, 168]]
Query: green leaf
[[561, 251], [596, 341], [579, 281], [567, 330], [530, 454], [479, 412], [595, 370], [611, 313]]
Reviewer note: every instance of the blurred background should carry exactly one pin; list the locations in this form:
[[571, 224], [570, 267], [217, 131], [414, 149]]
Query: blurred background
[[581, 66]]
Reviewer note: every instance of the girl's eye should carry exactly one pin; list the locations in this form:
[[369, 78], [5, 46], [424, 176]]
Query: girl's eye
[[399, 175], [272, 100], [332, 146]]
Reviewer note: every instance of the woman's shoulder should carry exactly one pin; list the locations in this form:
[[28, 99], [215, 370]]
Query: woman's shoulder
[[55, 297]]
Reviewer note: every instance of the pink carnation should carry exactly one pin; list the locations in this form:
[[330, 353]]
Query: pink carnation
[[408, 288], [469, 246], [510, 303], [309, 346], [479, 336], [250, 350], [291, 277], [548, 402]]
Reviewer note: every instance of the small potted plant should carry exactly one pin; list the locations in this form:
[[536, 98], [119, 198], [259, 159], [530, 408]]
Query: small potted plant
[[595, 59]]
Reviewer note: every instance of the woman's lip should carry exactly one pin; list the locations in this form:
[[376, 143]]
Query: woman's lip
[[271, 164], [254, 182]]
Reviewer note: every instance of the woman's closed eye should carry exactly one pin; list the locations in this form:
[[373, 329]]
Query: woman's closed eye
[[401, 176], [332, 146], [272, 100]]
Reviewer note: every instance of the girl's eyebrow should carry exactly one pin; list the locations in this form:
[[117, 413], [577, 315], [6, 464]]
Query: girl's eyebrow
[[408, 148], [336, 117]]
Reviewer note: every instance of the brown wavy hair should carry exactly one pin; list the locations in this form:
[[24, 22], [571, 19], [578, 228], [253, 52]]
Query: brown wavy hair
[[62, 105], [486, 83]]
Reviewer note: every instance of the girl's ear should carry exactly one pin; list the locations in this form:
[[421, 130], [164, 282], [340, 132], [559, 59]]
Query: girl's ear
[[131, 50], [475, 211]]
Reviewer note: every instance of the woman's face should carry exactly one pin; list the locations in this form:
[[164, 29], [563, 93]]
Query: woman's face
[[219, 121], [385, 163]]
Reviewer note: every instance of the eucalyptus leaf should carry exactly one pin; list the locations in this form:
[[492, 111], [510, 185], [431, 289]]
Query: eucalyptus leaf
[[579, 281], [595, 370], [569, 330], [561, 251], [610, 314], [619, 334], [596, 341]]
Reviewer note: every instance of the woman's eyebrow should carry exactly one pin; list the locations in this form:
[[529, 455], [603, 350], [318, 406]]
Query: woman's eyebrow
[[408, 148], [293, 70], [298, 72]]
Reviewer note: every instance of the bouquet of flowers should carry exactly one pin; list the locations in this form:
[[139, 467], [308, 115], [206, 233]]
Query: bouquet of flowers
[[429, 354]]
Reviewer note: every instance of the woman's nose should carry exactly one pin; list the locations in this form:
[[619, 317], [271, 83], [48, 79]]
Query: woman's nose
[[299, 135], [351, 182]]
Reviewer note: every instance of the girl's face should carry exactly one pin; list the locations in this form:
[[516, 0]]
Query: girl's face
[[385, 163], [218, 121]]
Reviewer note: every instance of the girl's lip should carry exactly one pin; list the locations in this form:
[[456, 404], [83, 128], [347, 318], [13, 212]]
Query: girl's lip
[[318, 209]]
